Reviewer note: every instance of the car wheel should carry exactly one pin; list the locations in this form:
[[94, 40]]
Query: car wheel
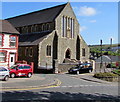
[[78, 72], [12, 75], [29, 75], [6, 78], [90, 71]]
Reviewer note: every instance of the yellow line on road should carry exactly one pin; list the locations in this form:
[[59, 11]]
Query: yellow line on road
[[43, 87]]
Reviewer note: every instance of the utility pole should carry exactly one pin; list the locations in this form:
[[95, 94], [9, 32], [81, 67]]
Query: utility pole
[[111, 50], [101, 55]]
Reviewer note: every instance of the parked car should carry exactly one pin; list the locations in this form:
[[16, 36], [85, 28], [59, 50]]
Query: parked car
[[4, 74], [21, 70], [84, 67]]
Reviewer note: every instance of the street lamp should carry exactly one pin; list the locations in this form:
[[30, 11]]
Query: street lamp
[[101, 55]]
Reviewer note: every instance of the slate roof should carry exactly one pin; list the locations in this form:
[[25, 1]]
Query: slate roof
[[106, 58], [37, 17], [6, 27], [32, 39]]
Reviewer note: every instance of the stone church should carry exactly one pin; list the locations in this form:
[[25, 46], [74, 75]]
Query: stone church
[[50, 35]]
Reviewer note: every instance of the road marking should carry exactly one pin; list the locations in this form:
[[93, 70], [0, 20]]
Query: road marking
[[75, 86], [33, 88]]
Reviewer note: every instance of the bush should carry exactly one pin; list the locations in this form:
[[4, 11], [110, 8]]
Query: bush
[[106, 74]]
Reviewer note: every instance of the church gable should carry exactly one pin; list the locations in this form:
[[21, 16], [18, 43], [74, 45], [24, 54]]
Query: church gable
[[66, 23]]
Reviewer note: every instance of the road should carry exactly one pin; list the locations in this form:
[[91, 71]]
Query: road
[[72, 87]]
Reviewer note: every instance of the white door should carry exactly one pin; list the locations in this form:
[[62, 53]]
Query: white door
[[12, 59]]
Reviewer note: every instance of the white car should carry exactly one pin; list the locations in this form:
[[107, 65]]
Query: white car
[[4, 74]]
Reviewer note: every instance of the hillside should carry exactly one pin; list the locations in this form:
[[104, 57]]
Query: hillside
[[104, 45], [107, 49]]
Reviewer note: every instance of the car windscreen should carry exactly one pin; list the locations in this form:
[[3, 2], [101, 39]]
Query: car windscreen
[[13, 67], [2, 69]]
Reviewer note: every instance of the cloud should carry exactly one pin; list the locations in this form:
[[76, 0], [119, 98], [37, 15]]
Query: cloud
[[82, 28], [87, 11], [92, 21]]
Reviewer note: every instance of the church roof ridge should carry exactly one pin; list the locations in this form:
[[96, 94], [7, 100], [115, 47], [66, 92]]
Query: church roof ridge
[[37, 11], [40, 16]]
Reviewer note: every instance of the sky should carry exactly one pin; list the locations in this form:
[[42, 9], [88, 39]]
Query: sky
[[98, 20]]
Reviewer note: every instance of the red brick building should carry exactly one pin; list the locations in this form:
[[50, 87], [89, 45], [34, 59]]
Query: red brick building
[[8, 44]]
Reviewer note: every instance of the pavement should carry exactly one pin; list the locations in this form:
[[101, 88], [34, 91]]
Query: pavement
[[36, 81], [89, 77]]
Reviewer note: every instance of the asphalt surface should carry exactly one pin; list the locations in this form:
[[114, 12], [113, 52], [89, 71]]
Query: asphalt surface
[[23, 82], [61, 87]]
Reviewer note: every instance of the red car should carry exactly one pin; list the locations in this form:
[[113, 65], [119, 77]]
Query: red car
[[21, 70]]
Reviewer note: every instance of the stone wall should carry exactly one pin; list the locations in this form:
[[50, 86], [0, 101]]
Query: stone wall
[[44, 61], [65, 67], [103, 68]]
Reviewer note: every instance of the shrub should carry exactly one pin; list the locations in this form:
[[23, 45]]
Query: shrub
[[106, 74]]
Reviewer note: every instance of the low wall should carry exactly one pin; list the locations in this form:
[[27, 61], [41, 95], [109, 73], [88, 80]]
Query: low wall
[[64, 67], [102, 68]]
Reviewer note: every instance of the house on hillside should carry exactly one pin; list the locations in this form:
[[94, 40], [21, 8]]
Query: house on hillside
[[8, 44], [48, 35], [108, 59]]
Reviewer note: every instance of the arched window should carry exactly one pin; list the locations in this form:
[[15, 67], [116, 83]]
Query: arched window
[[26, 51], [66, 20], [47, 27], [83, 52], [63, 26], [36, 28], [23, 29], [43, 27], [31, 52], [32, 28], [48, 50], [39, 28], [29, 29], [26, 29]]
